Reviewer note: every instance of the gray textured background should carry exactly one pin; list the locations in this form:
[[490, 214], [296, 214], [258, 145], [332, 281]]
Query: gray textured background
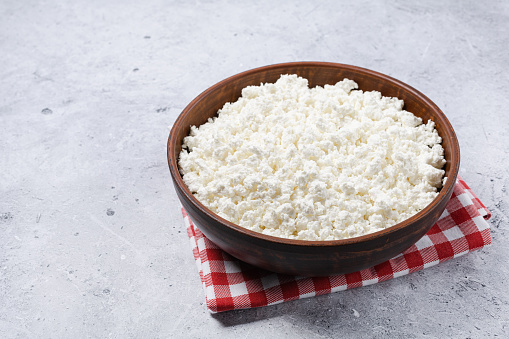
[[91, 235]]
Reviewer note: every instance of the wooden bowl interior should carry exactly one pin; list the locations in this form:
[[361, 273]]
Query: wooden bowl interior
[[318, 74]]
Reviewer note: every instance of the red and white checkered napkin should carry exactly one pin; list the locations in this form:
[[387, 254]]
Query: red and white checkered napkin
[[232, 284]]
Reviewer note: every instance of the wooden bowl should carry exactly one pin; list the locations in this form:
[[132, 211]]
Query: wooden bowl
[[301, 257]]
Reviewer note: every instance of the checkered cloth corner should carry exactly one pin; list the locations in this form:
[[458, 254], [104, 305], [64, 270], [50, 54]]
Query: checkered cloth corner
[[232, 284]]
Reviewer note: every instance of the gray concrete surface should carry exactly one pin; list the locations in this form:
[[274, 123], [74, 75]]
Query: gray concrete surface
[[92, 240]]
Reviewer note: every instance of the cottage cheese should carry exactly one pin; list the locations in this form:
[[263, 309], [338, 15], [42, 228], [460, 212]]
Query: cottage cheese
[[324, 163]]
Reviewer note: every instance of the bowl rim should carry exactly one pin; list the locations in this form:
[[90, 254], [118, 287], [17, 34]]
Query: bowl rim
[[424, 213]]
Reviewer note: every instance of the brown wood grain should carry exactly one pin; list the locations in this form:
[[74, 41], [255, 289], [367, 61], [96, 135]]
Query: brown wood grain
[[300, 257]]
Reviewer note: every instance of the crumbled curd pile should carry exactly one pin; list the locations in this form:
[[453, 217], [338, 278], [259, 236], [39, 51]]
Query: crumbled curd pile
[[324, 163]]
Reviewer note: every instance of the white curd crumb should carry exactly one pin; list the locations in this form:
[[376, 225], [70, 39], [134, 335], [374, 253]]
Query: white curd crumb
[[323, 163]]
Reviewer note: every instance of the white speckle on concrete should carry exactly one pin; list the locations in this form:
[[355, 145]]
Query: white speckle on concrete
[[112, 92]]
